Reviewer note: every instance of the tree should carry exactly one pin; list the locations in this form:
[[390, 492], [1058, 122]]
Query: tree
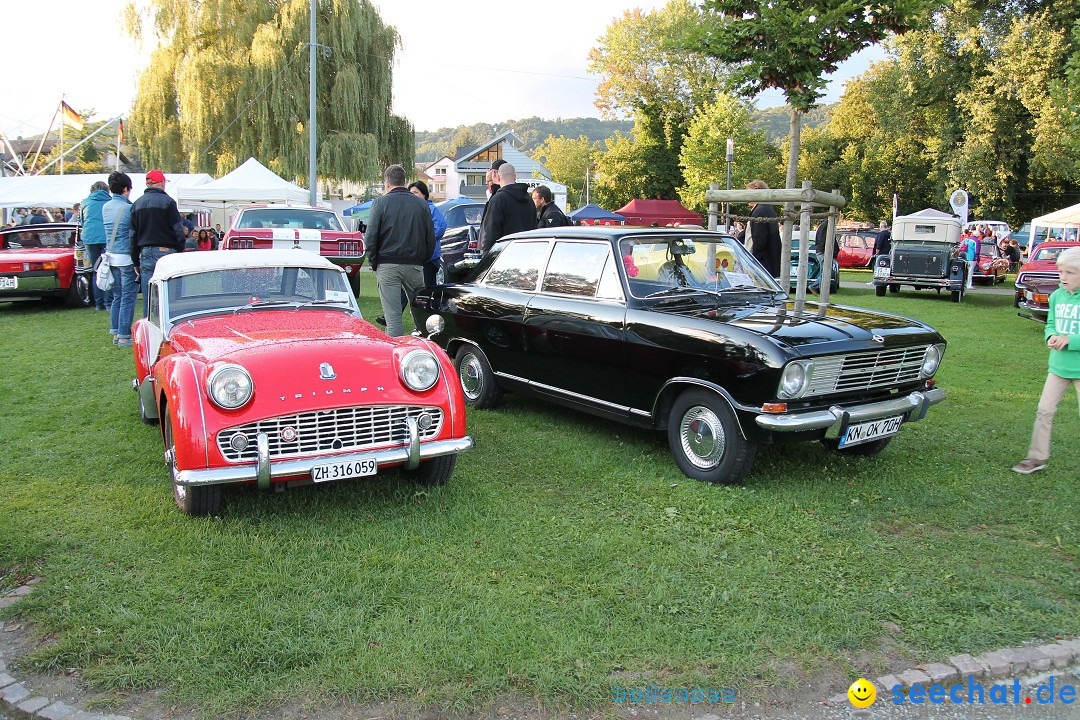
[[792, 45], [230, 80], [568, 160], [620, 173]]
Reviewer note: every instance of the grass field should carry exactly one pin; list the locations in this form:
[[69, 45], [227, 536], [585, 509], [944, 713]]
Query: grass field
[[565, 553]]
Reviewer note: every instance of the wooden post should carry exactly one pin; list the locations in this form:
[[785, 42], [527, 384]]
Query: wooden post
[[830, 243], [804, 253]]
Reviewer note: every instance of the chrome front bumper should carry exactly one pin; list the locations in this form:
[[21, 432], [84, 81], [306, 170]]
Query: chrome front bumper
[[264, 469], [914, 405]]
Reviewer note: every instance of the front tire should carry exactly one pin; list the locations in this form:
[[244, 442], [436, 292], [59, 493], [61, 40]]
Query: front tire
[[434, 472], [894, 288], [81, 293], [193, 501], [705, 439], [477, 378], [958, 295]]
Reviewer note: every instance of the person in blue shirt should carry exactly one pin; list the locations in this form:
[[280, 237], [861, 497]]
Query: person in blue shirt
[[117, 214], [431, 267], [93, 235]]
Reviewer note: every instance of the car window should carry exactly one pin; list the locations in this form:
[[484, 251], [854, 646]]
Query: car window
[[154, 305], [610, 287], [226, 290], [575, 268], [293, 218], [518, 266], [29, 239], [707, 262], [1047, 254]]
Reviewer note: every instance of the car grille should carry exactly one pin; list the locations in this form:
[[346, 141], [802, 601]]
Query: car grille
[[866, 371], [331, 431]]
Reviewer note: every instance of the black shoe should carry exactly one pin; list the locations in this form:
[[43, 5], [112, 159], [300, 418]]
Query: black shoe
[[381, 320]]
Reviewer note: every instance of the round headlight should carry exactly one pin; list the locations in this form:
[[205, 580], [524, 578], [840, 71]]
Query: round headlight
[[930, 362], [230, 387], [794, 380], [419, 370]]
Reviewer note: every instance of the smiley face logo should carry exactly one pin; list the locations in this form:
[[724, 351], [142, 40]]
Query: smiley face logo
[[862, 693]]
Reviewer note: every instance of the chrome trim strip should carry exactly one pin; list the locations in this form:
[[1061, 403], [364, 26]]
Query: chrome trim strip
[[567, 393], [247, 473], [916, 404]]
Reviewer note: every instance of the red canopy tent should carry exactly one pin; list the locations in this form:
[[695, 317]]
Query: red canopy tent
[[659, 212]]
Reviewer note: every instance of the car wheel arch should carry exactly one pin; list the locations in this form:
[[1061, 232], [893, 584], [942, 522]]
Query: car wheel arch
[[674, 387]]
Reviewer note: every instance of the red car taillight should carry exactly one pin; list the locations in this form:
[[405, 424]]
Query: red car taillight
[[250, 244], [51, 265], [350, 247]]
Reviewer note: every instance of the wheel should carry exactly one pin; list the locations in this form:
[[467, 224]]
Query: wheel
[[834, 285], [894, 288], [865, 449], [879, 290], [193, 501], [1016, 301], [705, 439], [81, 292], [142, 413], [477, 378], [958, 295], [436, 471], [354, 283]]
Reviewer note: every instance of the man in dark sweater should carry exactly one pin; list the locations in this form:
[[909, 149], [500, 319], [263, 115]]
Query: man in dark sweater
[[548, 214], [510, 210], [156, 231], [400, 238]]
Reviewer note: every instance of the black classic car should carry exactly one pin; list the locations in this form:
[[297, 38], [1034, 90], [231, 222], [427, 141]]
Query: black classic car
[[680, 330], [462, 238]]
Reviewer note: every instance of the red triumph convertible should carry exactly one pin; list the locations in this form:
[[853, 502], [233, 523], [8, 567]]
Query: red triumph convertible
[[260, 369], [38, 261]]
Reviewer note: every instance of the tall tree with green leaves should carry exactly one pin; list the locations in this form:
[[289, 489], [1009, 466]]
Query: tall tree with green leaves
[[230, 80], [568, 160]]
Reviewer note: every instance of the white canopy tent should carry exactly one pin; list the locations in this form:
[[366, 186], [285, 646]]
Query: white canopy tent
[[1059, 220], [250, 184], [66, 190]]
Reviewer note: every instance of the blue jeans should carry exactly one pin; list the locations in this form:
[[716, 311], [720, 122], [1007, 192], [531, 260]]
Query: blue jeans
[[125, 292], [148, 258], [102, 298]]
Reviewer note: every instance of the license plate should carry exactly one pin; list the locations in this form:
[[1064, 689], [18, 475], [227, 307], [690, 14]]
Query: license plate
[[872, 430], [9, 283], [343, 470], [881, 272]]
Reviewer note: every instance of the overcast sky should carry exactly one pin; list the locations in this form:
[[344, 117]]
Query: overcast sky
[[461, 61]]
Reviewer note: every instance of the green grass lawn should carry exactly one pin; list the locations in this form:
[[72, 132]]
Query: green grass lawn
[[565, 553]]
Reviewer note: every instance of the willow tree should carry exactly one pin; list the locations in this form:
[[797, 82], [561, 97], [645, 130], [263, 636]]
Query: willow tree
[[229, 80]]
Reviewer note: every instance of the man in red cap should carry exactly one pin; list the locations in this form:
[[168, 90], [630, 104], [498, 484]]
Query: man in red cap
[[156, 231]]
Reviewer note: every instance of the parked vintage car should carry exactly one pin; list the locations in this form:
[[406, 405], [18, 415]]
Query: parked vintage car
[[991, 266], [260, 370], [681, 331], [813, 271], [318, 230], [38, 261], [924, 254], [856, 248], [1037, 278], [462, 238]]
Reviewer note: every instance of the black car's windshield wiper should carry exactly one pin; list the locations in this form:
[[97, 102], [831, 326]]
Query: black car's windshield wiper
[[676, 290], [262, 303]]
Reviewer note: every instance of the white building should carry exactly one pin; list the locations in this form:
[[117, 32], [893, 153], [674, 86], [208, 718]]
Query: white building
[[467, 175]]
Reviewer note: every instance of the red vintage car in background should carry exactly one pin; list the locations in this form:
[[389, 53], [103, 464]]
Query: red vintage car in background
[[991, 266], [38, 261], [856, 248], [260, 370], [1037, 278], [318, 230]]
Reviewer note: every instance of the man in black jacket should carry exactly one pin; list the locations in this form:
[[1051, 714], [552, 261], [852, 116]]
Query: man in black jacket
[[156, 231], [400, 238], [883, 240], [510, 210], [765, 236], [548, 213]]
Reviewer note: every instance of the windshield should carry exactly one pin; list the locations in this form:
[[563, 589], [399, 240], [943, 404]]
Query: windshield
[[289, 218], [243, 288], [673, 263], [37, 239], [463, 215], [1047, 254]]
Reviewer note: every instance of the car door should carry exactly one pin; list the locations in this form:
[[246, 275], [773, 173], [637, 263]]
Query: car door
[[575, 327]]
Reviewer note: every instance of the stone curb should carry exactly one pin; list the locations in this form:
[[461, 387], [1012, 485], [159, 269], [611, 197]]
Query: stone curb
[[1009, 662]]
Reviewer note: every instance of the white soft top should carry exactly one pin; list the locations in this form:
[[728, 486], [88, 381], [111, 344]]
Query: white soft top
[[189, 263]]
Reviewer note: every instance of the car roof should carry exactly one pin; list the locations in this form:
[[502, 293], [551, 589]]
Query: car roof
[[189, 263], [610, 232]]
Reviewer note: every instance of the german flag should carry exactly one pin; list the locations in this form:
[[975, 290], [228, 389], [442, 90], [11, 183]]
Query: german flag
[[70, 116], [120, 131]]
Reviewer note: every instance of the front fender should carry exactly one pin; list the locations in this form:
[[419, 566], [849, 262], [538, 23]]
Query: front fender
[[180, 384]]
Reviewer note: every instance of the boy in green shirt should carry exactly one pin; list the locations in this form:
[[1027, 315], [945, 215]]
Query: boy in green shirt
[[1063, 339]]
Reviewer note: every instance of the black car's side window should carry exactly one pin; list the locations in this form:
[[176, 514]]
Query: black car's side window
[[518, 266], [575, 268]]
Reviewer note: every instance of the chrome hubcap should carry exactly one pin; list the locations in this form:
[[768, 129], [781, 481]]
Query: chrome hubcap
[[702, 437], [472, 377]]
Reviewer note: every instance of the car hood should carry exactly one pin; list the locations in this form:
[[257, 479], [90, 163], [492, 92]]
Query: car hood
[[293, 344], [824, 327], [24, 255]]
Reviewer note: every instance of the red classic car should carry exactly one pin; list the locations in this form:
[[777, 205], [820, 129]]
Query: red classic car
[[856, 248], [991, 266], [1037, 278], [260, 369], [38, 261], [319, 230]]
